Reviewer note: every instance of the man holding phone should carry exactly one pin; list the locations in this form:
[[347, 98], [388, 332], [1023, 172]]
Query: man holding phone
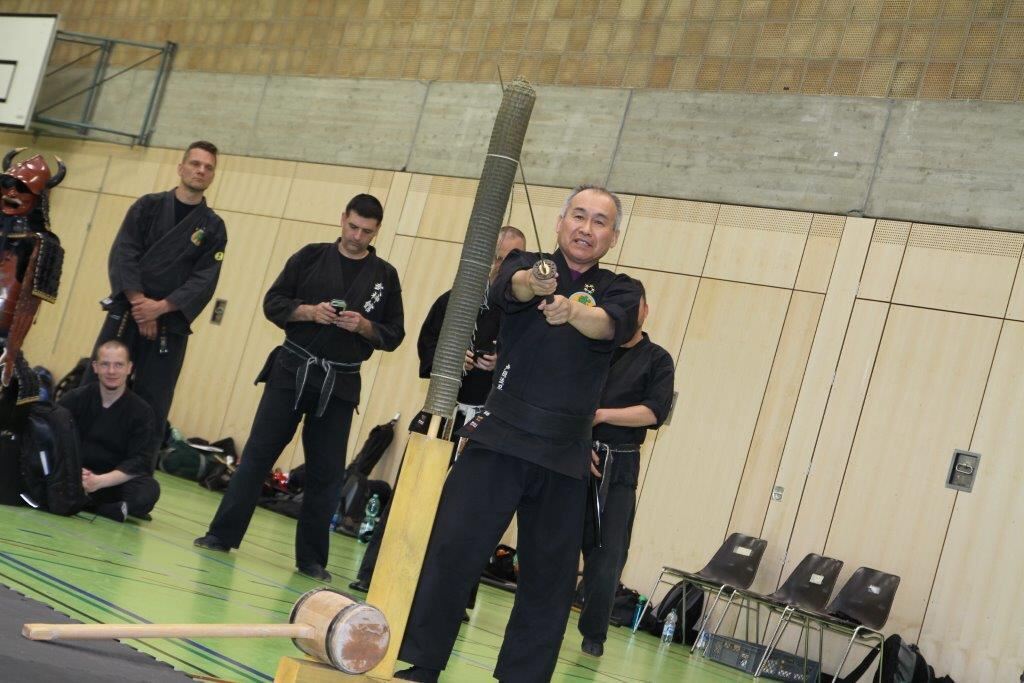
[[337, 303]]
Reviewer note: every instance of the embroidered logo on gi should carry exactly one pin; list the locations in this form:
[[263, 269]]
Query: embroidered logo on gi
[[583, 298], [219, 256], [504, 374], [589, 288], [197, 236], [378, 293]]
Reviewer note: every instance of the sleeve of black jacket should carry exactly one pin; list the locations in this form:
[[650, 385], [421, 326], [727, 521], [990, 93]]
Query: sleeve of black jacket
[[193, 295], [430, 332], [660, 387], [126, 251], [390, 330]]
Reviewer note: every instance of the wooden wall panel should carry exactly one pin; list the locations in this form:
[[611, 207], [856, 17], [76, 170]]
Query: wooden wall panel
[[414, 203], [959, 269], [135, 174], [721, 376], [447, 209], [670, 299], [975, 635], [888, 242], [814, 397], [215, 350], [760, 246], [1015, 309], [83, 315], [669, 234], [258, 186], [820, 253], [813, 484], [319, 193], [922, 403], [71, 212], [773, 422]]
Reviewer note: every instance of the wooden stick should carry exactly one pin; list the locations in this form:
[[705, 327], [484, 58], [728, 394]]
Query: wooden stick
[[108, 631]]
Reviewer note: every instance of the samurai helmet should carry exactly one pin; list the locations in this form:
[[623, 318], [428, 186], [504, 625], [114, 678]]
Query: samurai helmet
[[24, 183]]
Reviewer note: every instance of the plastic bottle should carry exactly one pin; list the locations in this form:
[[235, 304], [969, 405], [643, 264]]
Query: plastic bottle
[[669, 629], [369, 519], [640, 604], [334, 521]]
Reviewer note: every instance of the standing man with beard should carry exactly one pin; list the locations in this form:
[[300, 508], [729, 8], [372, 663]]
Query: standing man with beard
[[164, 266], [529, 449], [337, 302]]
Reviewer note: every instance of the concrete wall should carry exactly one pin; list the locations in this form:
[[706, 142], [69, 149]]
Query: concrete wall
[[955, 163]]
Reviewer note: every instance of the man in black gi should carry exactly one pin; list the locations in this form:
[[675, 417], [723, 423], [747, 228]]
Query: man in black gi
[[163, 266], [637, 396], [337, 303], [115, 430], [529, 449], [476, 382]]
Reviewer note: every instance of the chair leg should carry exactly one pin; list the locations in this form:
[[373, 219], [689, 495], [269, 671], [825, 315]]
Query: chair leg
[[647, 604], [846, 654], [724, 613], [703, 624], [780, 631]]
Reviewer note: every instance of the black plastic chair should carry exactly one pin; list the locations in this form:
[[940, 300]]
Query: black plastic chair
[[808, 587], [861, 609], [732, 567]]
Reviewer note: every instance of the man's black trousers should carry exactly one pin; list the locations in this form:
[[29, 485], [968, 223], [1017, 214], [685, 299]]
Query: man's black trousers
[[324, 440], [602, 566], [483, 491]]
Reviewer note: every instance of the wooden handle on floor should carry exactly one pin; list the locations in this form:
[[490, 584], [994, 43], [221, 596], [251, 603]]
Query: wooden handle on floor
[[108, 631]]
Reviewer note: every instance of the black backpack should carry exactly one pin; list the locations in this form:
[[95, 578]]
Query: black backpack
[[51, 466], [72, 380], [654, 620], [624, 606], [902, 662]]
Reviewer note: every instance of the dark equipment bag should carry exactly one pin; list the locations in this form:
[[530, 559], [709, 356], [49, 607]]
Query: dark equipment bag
[[654, 620], [901, 663], [51, 465]]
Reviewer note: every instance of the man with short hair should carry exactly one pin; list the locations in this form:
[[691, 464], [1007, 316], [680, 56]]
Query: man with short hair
[[164, 265], [337, 302], [637, 396], [115, 430], [529, 449]]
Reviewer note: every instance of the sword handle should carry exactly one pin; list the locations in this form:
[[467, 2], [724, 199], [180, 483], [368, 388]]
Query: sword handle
[[545, 269]]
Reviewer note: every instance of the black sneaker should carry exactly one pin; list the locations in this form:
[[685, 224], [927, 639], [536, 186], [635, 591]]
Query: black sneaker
[[359, 585], [115, 511], [211, 542], [315, 572], [592, 647], [418, 673]]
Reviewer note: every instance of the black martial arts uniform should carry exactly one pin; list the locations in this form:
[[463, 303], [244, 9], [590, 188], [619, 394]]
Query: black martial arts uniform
[[476, 384], [117, 437], [170, 250], [528, 456], [642, 374], [314, 377]]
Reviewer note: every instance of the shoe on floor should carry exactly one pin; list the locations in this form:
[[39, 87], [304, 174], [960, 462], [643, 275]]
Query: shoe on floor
[[418, 673], [115, 511], [145, 517], [465, 617], [592, 647], [211, 542], [359, 585], [315, 572]]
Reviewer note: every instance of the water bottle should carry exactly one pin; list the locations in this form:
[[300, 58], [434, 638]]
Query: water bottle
[[669, 629], [640, 604], [369, 519], [334, 521]]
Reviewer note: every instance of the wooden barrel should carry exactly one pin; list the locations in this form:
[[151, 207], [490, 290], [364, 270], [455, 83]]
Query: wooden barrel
[[351, 636]]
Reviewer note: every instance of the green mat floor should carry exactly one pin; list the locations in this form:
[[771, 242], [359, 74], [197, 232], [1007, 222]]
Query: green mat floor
[[95, 570]]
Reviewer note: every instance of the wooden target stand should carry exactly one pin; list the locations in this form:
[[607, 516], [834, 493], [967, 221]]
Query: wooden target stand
[[410, 522]]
